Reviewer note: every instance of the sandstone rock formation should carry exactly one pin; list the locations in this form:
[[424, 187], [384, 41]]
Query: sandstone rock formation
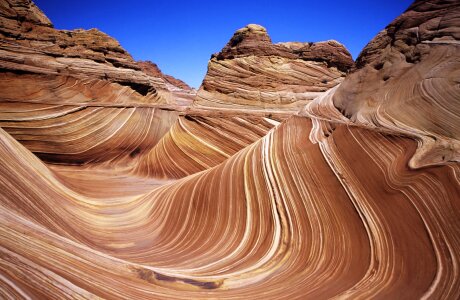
[[152, 69], [78, 97], [196, 143], [180, 93], [407, 81], [104, 193], [251, 71], [29, 44]]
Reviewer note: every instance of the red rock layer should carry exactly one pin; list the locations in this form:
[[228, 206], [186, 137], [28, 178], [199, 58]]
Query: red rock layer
[[250, 71], [28, 89], [197, 143], [79, 135]]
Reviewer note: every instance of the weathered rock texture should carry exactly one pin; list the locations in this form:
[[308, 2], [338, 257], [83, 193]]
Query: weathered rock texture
[[407, 81], [78, 97], [251, 71], [148, 203], [152, 69], [181, 93], [29, 44]]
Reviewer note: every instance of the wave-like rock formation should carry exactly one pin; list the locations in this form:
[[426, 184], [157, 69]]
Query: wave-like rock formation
[[196, 143], [109, 193], [77, 97], [251, 71], [283, 216], [78, 135]]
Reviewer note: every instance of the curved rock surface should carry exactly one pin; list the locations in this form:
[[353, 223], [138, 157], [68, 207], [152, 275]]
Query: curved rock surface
[[108, 193], [407, 81], [251, 71], [67, 120], [196, 143], [284, 207], [77, 97]]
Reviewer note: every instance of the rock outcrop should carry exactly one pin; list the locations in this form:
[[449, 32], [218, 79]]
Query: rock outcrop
[[407, 81], [76, 96], [152, 69], [29, 44], [251, 71], [182, 94], [105, 194]]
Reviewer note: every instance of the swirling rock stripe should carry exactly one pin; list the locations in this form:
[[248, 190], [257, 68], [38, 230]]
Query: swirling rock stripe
[[282, 218], [73, 134], [88, 179], [269, 82], [408, 215], [406, 82], [53, 89], [196, 143]]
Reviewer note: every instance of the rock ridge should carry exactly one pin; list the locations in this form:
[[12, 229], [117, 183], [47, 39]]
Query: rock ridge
[[30, 44]]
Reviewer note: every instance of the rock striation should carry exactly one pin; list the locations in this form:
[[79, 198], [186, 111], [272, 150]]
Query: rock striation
[[104, 193], [406, 81], [180, 92], [30, 44], [196, 143], [302, 201], [251, 71], [76, 96]]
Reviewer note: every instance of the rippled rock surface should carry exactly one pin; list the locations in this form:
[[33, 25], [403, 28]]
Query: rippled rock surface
[[109, 193]]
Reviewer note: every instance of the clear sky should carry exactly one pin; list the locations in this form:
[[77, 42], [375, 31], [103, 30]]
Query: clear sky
[[180, 36]]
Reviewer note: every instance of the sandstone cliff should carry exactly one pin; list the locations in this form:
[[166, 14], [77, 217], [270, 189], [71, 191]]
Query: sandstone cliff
[[69, 94]]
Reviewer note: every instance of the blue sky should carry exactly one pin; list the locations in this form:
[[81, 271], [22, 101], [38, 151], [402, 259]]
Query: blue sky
[[180, 36]]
